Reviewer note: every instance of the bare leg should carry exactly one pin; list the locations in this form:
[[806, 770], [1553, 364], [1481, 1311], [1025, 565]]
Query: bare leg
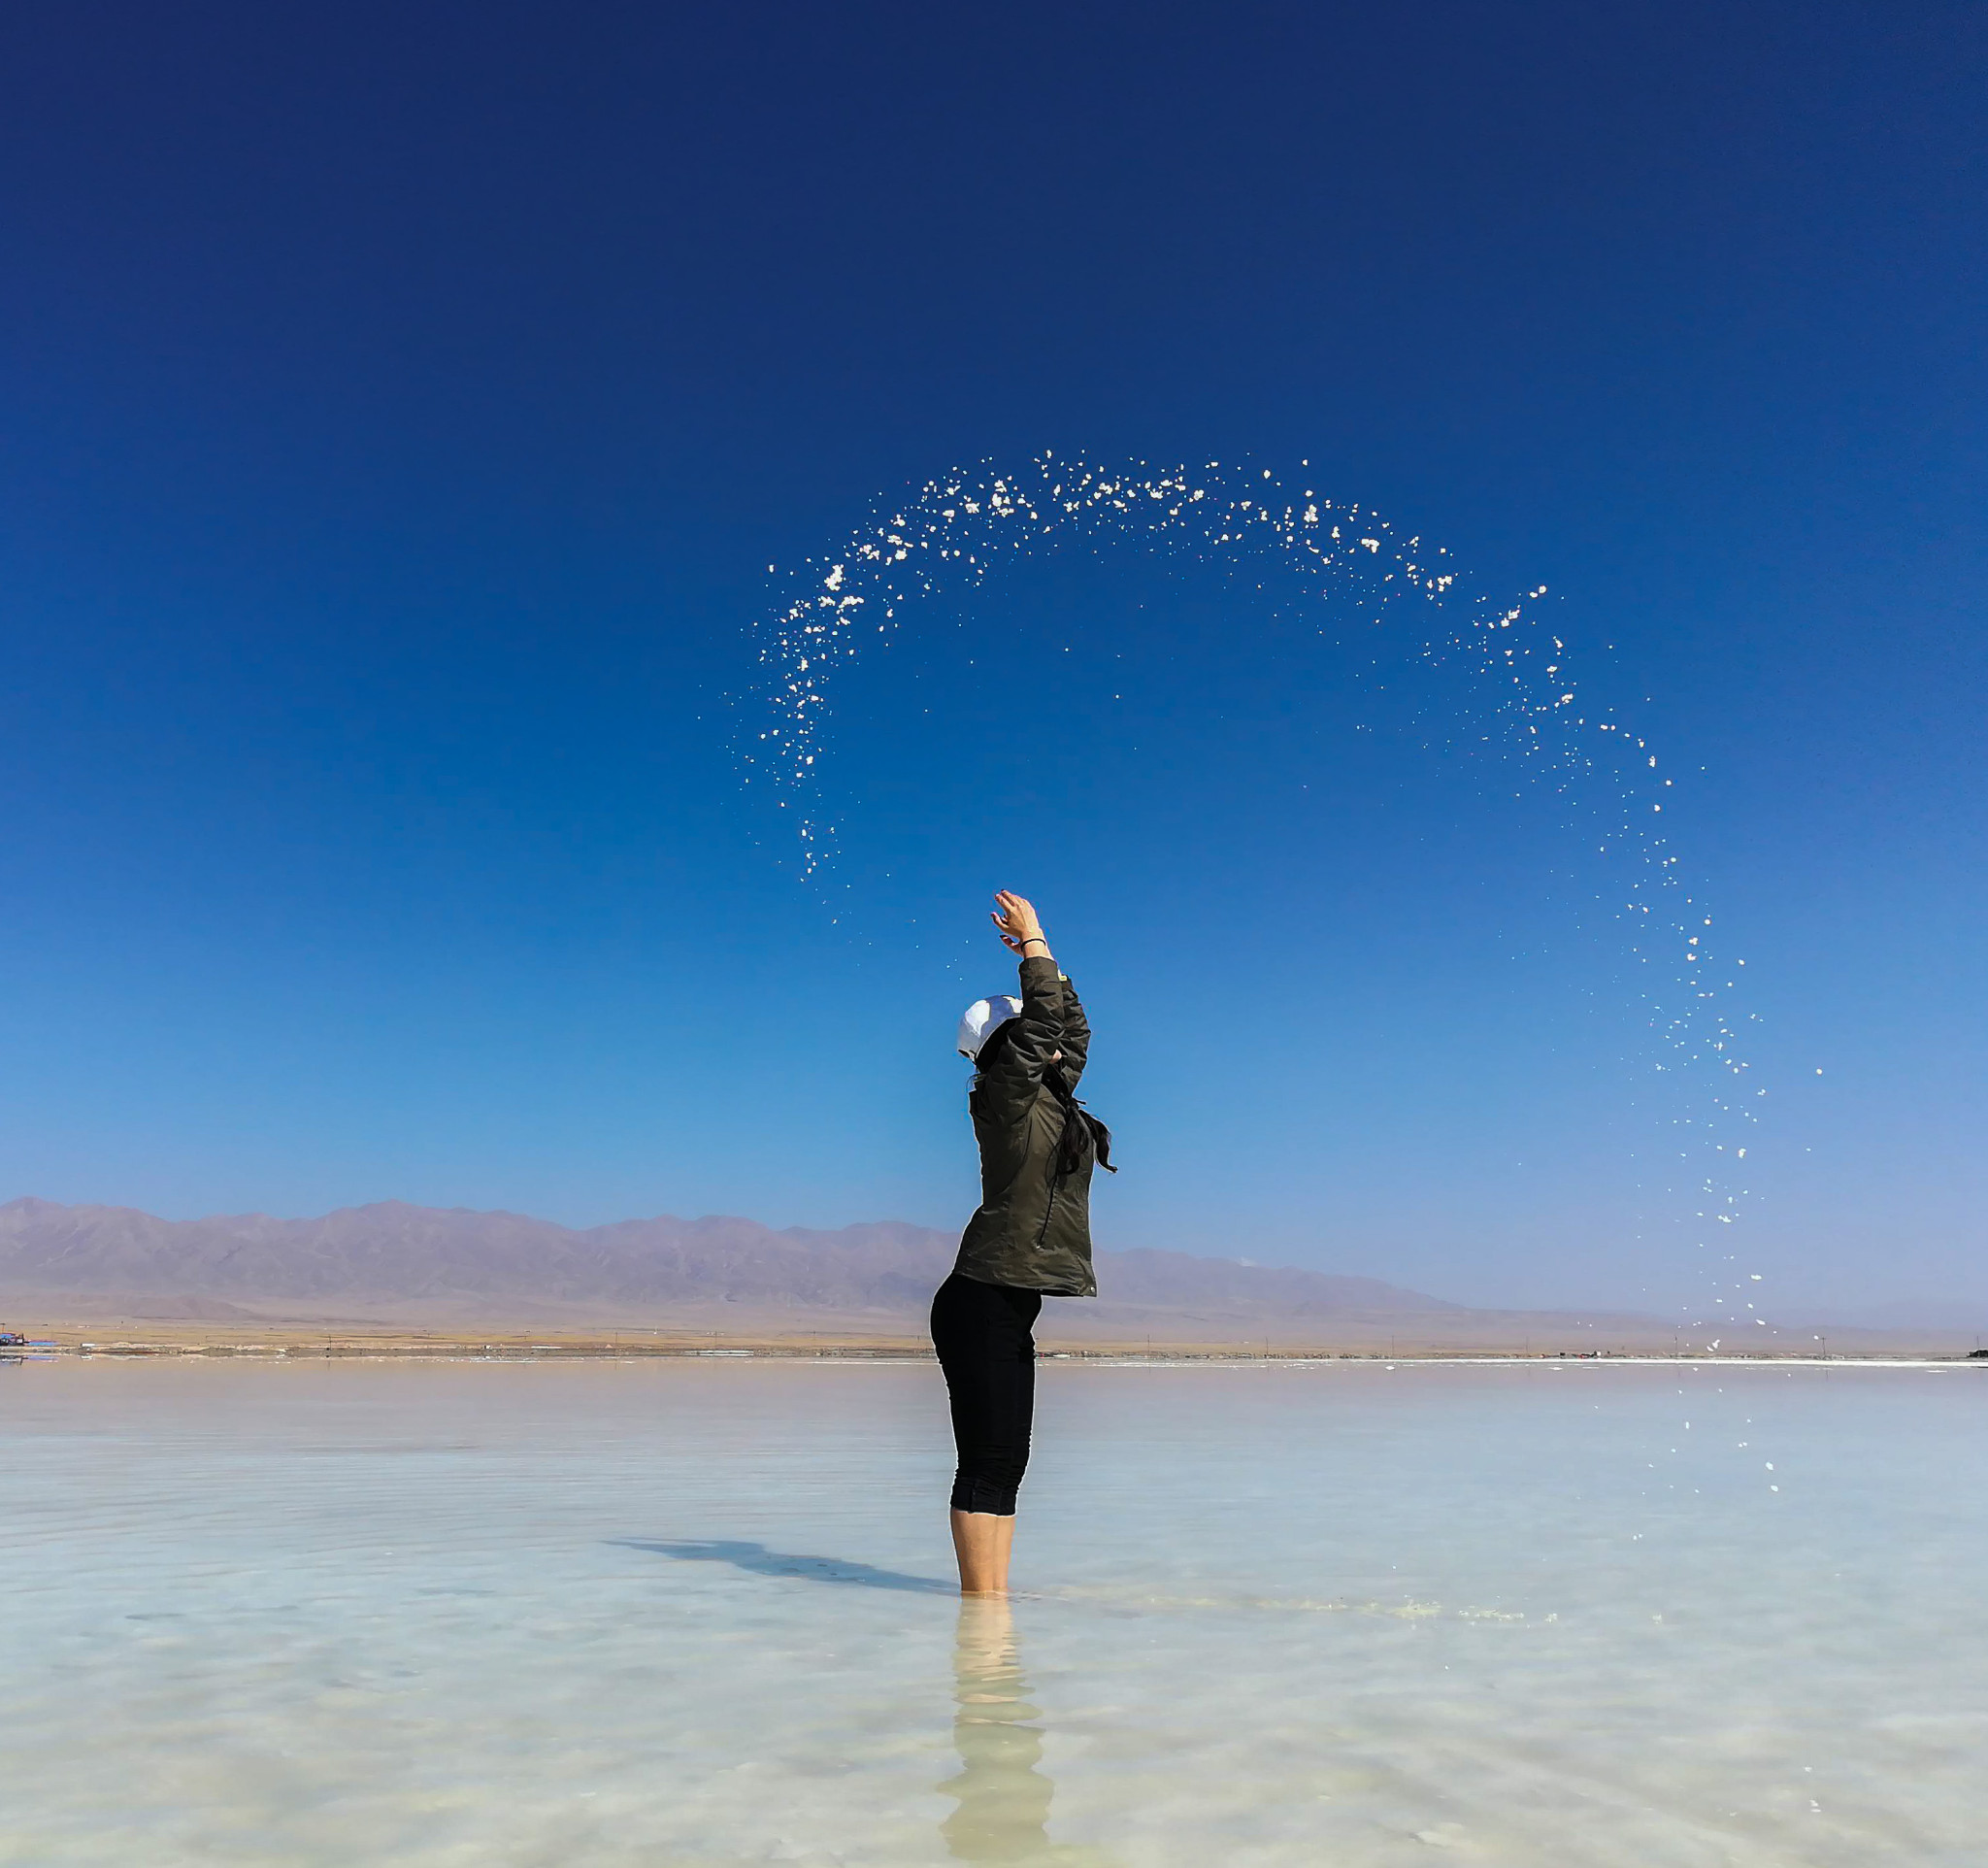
[[982, 1542]]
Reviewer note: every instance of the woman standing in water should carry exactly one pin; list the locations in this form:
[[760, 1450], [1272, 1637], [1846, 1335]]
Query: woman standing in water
[[1030, 1238]]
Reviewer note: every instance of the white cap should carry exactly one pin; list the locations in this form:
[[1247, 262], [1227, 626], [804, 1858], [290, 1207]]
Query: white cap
[[983, 1018]]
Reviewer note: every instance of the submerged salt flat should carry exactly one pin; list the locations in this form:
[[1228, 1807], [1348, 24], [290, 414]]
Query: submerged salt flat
[[698, 1613]]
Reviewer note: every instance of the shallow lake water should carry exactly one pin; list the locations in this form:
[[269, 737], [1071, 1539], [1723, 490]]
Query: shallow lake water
[[699, 1612]]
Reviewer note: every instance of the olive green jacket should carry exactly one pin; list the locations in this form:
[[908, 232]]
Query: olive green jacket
[[1033, 1227]]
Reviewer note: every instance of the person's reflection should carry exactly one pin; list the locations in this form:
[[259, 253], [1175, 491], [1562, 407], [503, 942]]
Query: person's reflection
[[1003, 1800]]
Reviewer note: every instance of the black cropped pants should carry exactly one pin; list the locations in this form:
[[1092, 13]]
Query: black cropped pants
[[983, 1335]]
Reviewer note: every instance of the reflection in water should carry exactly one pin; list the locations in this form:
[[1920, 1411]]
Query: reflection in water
[[1003, 1800]]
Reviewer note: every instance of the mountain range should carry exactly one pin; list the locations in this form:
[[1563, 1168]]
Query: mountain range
[[392, 1263], [393, 1255]]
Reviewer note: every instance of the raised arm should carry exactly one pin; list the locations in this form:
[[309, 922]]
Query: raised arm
[[1076, 1035], [1036, 1036]]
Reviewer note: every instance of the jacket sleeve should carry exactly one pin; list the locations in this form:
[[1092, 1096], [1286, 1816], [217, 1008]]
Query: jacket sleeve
[[1015, 1071], [1076, 1035]]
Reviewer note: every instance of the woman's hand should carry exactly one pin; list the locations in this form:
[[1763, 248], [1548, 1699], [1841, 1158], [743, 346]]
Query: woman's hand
[[1019, 927]]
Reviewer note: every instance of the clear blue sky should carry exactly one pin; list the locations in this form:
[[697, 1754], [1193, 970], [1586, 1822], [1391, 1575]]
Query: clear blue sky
[[402, 406]]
